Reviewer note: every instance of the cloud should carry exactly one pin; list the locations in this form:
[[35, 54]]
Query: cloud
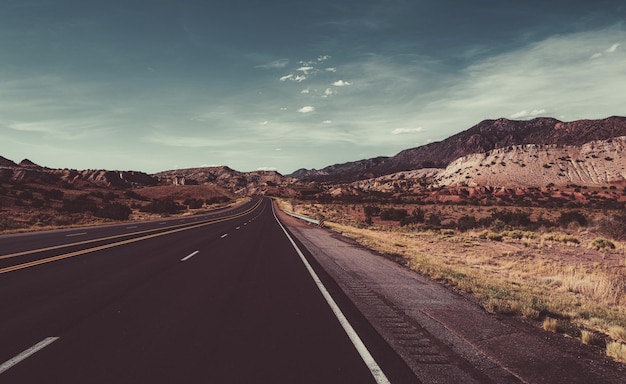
[[264, 122], [305, 91], [305, 69], [327, 122], [306, 109], [323, 58], [328, 92], [402, 131], [183, 141], [332, 69], [613, 48], [525, 113], [277, 64], [341, 83], [292, 77]]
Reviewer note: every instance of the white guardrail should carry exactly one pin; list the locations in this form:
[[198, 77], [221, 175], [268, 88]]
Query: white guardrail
[[302, 217]]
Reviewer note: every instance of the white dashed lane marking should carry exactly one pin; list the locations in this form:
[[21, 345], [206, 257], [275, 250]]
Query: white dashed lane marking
[[27, 353], [189, 256]]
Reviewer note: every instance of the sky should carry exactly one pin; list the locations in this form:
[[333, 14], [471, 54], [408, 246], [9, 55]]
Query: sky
[[153, 85]]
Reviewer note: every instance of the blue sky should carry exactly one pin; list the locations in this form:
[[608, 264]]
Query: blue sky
[[157, 85]]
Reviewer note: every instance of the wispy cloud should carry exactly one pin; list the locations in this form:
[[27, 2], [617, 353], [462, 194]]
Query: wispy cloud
[[613, 48], [401, 131], [276, 64], [306, 109], [328, 92]]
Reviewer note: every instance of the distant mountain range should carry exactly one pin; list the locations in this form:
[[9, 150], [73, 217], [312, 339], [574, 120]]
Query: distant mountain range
[[493, 153], [481, 138]]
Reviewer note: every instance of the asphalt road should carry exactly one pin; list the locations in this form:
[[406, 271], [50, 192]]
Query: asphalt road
[[221, 298]]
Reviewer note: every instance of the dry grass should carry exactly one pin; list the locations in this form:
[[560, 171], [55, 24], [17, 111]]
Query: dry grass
[[617, 351], [524, 273], [551, 325], [588, 338], [617, 332]]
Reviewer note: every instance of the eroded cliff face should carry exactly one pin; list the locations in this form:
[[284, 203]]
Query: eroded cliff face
[[597, 163], [600, 162], [27, 171]]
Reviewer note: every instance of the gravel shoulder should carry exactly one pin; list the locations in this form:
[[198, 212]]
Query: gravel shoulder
[[442, 336]]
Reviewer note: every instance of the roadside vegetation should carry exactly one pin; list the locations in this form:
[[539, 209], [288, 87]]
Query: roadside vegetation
[[564, 269], [25, 207]]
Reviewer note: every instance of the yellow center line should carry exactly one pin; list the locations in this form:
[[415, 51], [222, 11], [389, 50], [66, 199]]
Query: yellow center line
[[116, 244]]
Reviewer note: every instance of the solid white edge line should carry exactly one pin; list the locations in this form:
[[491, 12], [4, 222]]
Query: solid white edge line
[[367, 357], [24, 355], [189, 256]]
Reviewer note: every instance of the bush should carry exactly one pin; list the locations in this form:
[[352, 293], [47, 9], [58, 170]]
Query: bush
[[194, 203], [601, 243], [572, 217], [392, 214], [561, 238], [371, 210], [163, 206], [416, 217], [218, 199], [115, 211], [433, 220], [466, 223], [134, 195], [494, 236], [81, 204]]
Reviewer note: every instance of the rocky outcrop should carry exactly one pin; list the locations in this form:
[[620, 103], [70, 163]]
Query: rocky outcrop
[[246, 183], [600, 162], [27, 171]]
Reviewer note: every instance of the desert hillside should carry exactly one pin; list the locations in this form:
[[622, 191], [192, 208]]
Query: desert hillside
[[481, 138]]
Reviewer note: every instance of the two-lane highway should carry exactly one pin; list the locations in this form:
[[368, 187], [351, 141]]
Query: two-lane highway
[[216, 300]]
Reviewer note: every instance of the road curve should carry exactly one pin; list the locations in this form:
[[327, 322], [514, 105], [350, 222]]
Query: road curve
[[224, 300]]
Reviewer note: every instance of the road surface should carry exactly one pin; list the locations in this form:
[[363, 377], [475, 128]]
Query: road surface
[[218, 298]]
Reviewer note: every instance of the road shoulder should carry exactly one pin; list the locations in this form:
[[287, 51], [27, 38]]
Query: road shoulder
[[441, 335]]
